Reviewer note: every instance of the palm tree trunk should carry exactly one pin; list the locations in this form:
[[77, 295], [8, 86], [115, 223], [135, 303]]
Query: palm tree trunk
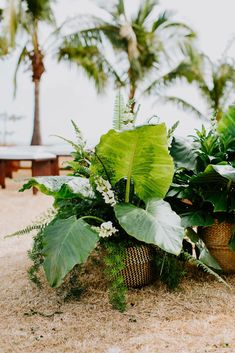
[[36, 138], [219, 115]]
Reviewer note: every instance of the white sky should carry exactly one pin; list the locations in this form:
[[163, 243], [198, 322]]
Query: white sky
[[66, 94]]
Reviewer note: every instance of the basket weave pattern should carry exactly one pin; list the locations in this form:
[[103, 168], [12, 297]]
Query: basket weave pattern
[[138, 270], [216, 238]]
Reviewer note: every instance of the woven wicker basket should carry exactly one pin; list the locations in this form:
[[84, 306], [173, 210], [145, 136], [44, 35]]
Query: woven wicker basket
[[139, 269], [216, 238]]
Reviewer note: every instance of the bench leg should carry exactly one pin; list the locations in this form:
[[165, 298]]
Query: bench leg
[[2, 174], [41, 168], [9, 169], [55, 166]]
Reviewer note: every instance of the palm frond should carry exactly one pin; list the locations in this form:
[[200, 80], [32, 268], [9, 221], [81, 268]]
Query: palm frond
[[120, 8], [163, 18], [180, 25], [189, 70], [145, 10], [40, 10], [182, 71], [87, 56], [184, 105], [4, 46], [24, 53], [12, 22]]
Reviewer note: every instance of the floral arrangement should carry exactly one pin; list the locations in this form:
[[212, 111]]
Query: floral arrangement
[[112, 200]]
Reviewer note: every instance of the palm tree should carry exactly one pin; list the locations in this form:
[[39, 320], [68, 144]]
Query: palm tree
[[24, 17], [141, 43], [215, 82]]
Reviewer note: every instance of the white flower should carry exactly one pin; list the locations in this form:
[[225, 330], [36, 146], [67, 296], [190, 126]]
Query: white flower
[[128, 126], [106, 225], [104, 187], [106, 229], [110, 193], [128, 117]]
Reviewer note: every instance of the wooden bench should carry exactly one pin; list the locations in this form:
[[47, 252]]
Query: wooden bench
[[57, 150], [43, 163]]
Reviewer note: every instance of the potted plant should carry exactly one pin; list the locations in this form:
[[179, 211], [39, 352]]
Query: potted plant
[[203, 189], [113, 200]]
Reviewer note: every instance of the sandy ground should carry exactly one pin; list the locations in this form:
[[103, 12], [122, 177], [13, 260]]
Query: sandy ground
[[198, 318]]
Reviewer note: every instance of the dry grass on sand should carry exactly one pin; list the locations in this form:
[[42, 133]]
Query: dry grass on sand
[[197, 318]]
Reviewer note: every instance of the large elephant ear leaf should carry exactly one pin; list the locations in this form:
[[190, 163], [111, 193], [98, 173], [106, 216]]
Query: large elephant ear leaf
[[61, 186], [226, 171], [183, 153], [140, 155], [68, 242], [157, 224]]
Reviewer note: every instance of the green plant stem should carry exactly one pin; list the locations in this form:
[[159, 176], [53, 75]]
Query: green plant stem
[[229, 185], [105, 170], [128, 187], [93, 217]]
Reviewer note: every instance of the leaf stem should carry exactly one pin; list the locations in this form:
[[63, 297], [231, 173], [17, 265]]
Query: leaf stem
[[101, 162], [127, 193], [93, 217]]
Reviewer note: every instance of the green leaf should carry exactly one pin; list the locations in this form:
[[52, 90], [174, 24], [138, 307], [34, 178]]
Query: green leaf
[[195, 218], [232, 240], [226, 171], [67, 242], [157, 224], [208, 259], [140, 155], [192, 235], [183, 154], [61, 186], [226, 125], [215, 185]]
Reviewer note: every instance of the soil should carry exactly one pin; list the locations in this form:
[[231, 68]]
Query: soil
[[197, 318]]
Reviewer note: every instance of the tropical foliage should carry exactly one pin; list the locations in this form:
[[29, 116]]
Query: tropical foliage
[[119, 201], [209, 186]]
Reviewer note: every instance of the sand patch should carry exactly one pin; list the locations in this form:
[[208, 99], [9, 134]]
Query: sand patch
[[197, 318]]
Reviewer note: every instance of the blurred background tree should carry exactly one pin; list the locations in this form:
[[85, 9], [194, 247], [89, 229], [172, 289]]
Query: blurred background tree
[[214, 81], [143, 45], [23, 20]]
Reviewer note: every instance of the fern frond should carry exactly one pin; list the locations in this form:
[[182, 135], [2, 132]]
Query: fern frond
[[191, 259], [119, 109], [26, 230], [78, 134], [68, 141]]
